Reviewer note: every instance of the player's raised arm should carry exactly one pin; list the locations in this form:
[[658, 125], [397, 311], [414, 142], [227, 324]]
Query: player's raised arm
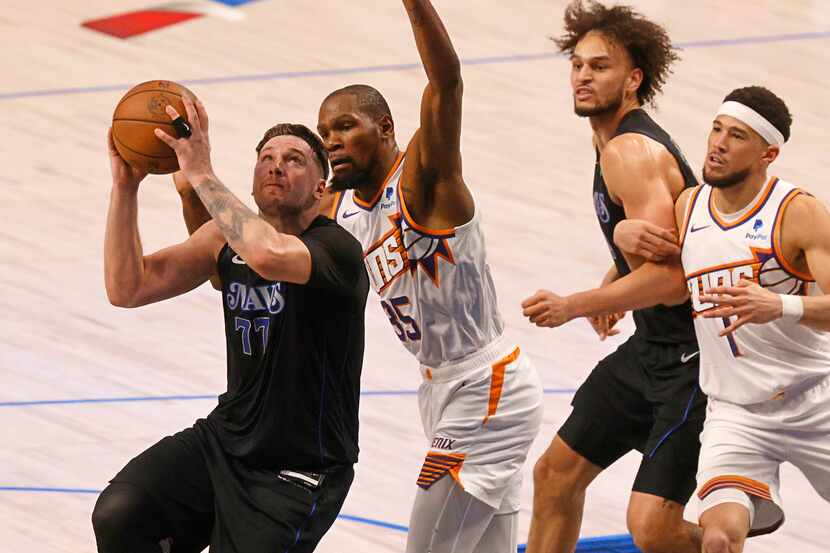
[[193, 210], [273, 255], [438, 197], [132, 279]]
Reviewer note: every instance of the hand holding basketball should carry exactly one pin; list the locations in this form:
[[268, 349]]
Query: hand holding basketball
[[124, 175], [139, 112], [193, 152]]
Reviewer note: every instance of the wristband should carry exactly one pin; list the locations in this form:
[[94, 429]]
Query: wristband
[[792, 308]]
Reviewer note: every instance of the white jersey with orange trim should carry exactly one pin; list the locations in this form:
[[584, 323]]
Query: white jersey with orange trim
[[758, 361], [435, 285]]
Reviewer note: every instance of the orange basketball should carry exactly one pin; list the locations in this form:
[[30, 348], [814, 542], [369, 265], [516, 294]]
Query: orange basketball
[[139, 112]]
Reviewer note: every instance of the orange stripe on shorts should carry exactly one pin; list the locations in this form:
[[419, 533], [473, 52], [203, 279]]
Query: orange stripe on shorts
[[747, 485], [436, 465], [497, 383]]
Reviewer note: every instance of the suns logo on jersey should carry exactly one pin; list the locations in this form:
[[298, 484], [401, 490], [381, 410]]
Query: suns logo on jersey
[[405, 248], [387, 259], [729, 274]]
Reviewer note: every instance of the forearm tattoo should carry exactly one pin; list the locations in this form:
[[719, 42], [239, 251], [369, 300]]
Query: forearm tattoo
[[229, 213]]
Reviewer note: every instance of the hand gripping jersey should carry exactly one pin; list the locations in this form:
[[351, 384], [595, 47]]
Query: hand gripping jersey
[[758, 361], [435, 285]]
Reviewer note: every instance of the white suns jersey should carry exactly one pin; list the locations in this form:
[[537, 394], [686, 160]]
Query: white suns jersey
[[757, 362], [434, 285]]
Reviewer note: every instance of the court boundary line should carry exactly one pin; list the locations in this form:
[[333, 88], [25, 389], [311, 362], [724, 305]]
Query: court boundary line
[[486, 60], [197, 397], [613, 543]]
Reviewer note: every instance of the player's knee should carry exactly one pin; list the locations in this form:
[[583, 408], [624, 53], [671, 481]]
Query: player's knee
[[651, 538], [112, 515], [551, 482], [716, 540]]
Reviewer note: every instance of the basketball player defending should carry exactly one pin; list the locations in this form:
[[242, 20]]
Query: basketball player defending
[[644, 396], [756, 256], [480, 400], [268, 469]]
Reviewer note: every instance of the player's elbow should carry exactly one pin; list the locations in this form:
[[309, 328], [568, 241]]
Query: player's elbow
[[448, 86], [118, 297], [268, 260]]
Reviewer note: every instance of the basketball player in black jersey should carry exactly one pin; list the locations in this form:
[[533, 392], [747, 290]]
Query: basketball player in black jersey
[[644, 396], [270, 466]]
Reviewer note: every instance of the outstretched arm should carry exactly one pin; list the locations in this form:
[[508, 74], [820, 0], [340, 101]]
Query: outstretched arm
[[434, 191], [132, 279], [648, 285], [273, 255]]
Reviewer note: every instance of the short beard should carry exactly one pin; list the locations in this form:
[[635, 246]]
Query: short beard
[[611, 107], [349, 182], [727, 181], [289, 211]]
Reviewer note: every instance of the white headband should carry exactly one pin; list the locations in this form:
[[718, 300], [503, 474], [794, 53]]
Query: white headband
[[755, 120]]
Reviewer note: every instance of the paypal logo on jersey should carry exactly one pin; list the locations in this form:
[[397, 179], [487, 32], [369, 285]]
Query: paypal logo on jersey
[[755, 234], [267, 297], [602, 209], [387, 198]]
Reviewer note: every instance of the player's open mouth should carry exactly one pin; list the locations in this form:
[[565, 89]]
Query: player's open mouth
[[583, 93], [340, 163], [716, 160]]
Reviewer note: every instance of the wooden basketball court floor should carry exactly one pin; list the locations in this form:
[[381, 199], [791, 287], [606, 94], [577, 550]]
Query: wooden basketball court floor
[[86, 386]]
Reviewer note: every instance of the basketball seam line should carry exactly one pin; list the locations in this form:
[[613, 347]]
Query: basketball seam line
[[148, 90], [170, 123], [141, 153]]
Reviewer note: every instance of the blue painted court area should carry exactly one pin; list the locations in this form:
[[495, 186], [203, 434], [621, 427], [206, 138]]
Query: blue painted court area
[[603, 544]]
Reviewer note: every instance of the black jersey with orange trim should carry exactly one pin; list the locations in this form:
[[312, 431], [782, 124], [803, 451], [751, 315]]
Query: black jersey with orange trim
[[667, 324]]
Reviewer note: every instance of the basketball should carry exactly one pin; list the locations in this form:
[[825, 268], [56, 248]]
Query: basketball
[[137, 114]]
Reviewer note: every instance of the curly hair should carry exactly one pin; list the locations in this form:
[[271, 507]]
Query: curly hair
[[770, 106], [304, 133], [647, 43]]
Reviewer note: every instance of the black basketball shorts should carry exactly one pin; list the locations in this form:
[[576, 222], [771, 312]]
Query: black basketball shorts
[[644, 396], [207, 498]]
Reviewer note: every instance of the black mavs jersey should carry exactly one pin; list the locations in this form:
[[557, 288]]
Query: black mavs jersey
[[660, 323], [295, 354]]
